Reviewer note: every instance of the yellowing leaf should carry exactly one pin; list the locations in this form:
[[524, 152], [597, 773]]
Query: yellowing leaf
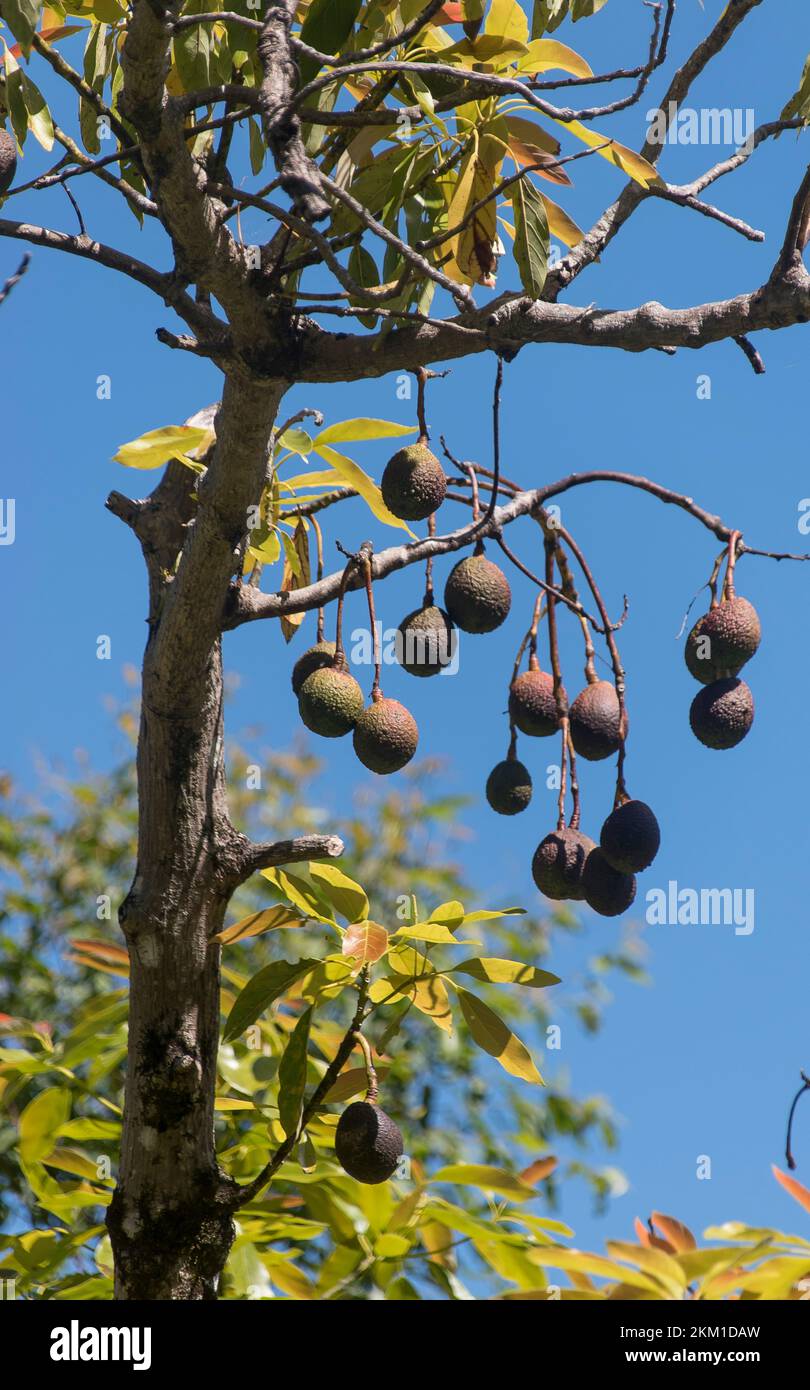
[[630, 163], [352, 473], [543, 54], [797, 1190], [492, 1034], [506, 972], [434, 932], [536, 1172], [416, 979], [507, 18], [678, 1235], [271, 919], [489, 1179], [353, 1082], [156, 447], [363, 428], [365, 942], [560, 224]]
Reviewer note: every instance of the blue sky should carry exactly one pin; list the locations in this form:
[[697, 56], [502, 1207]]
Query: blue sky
[[705, 1061]]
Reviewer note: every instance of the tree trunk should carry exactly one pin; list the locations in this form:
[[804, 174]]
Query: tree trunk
[[170, 1220]]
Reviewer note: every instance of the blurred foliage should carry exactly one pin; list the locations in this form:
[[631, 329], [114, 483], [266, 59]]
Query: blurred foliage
[[66, 860]]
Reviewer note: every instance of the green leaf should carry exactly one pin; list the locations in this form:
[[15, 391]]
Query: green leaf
[[40, 122], [346, 896], [40, 1120], [531, 236], [327, 26], [363, 270], [352, 474], [267, 551], [346, 431], [434, 932], [489, 1179], [156, 447], [260, 992], [485, 915], [192, 50], [297, 441], [492, 1034], [300, 893], [505, 972], [449, 914], [258, 149], [292, 1076], [22, 18]]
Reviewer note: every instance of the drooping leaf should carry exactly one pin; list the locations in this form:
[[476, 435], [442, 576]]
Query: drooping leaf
[[22, 17], [352, 473], [634, 165], [292, 1076], [531, 236], [495, 1037], [256, 923]]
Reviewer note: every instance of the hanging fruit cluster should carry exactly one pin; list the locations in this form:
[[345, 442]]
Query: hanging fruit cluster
[[567, 864]]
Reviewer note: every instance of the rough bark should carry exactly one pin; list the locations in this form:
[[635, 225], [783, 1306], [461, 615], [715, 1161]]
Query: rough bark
[[170, 1221]]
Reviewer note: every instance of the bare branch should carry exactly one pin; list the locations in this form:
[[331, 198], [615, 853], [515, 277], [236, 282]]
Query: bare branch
[[282, 127], [242, 857], [15, 278], [751, 353], [246, 605]]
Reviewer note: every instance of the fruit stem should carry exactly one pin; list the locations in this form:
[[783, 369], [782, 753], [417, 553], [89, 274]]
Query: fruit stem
[[423, 375], [511, 756], [572, 763], [429, 598], [319, 547], [550, 545], [791, 1162], [371, 1074], [530, 639], [352, 561], [733, 542], [376, 692]]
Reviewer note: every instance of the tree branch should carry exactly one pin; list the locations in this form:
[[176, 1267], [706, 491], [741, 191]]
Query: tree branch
[[15, 278], [245, 605], [282, 127], [252, 1190], [239, 858]]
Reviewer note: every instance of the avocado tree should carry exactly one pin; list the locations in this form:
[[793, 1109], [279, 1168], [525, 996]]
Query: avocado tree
[[398, 143]]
